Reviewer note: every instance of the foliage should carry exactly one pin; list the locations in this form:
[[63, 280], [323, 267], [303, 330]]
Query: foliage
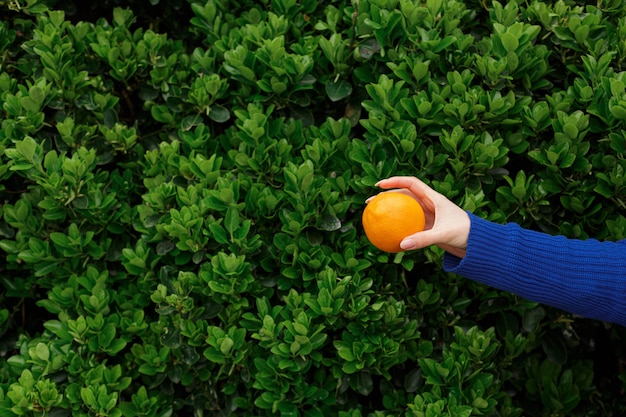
[[181, 197]]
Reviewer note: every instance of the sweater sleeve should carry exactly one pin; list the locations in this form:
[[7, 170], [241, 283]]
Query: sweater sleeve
[[584, 277]]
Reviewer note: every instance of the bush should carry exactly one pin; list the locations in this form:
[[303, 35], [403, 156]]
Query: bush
[[182, 189]]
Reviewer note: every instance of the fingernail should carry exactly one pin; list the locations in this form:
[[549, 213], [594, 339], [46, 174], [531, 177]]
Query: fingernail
[[407, 244]]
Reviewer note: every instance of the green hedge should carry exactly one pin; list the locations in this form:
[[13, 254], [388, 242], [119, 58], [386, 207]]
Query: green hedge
[[181, 185]]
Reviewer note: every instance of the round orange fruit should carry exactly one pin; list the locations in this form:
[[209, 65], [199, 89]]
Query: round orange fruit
[[390, 217]]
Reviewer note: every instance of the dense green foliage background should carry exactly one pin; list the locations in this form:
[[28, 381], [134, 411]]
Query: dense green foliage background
[[181, 184]]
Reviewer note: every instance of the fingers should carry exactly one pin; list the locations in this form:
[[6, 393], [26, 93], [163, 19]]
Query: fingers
[[403, 191], [415, 185], [424, 194]]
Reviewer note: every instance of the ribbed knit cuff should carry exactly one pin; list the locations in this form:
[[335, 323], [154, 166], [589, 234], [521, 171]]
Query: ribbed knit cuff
[[585, 277]]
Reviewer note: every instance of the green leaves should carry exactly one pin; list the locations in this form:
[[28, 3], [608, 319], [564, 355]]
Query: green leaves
[[561, 389], [27, 155], [225, 347], [28, 390], [462, 368], [181, 204]]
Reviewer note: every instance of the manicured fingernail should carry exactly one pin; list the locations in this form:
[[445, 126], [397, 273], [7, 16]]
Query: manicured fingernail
[[407, 244]]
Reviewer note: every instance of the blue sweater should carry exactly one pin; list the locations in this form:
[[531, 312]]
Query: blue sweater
[[584, 277]]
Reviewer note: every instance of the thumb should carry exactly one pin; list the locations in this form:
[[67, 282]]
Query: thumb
[[420, 240]]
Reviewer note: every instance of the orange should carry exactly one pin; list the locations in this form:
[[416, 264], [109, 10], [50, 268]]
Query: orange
[[390, 217]]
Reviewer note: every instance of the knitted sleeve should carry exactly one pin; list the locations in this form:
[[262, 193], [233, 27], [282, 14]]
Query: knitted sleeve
[[584, 277]]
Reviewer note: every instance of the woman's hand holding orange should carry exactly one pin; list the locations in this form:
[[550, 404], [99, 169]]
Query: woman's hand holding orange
[[447, 225]]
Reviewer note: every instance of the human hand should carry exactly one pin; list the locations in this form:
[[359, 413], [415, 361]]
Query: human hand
[[447, 225]]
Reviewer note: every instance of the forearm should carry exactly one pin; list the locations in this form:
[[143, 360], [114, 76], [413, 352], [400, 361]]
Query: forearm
[[585, 277]]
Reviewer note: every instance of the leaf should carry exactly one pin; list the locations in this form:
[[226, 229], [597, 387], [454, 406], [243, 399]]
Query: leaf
[[581, 33], [190, 121], [160, 113], [509, 42], [413, 380], [329, 223], [121, 16], [42, 351], [171, 339], [338, 90], [59, 329], [532, 318], [164, 247], [219, 114], [37, 8], [444, 43], [115, 346], [88, 397], [364, 383], [231, 220], [618, 111], [554, 348]]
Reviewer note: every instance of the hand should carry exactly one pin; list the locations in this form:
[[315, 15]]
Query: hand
[[447, 225]]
